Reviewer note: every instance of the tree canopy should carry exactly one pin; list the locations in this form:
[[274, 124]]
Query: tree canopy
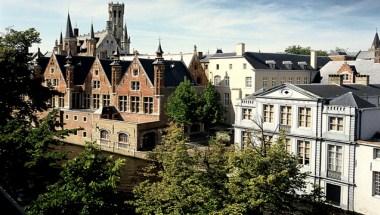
[[297, 49]]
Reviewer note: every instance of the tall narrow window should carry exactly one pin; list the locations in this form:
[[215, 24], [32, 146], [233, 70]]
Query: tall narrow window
[[335, 123], [268, 113], [298, 80], [265, 82], [244, 66], [226, 99], [217, 66], [334, 159], [288, 145], [246, 137], [87, 102], [95, 101], [230, 66], [303, 152], [227, 80], [286, 115], [376, 183], [148, 105], [274, 81], [135, 85], [61, 100], [135, 104], [95, 84], [304, 117], [123, 103], [248, 81], [106, 100], [305, 80], [104, 137]]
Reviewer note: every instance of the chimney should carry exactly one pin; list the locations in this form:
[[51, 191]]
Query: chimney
[[240, 49], [76, 32], [335, 79], [362, 79], [313, 59], [115, 70]]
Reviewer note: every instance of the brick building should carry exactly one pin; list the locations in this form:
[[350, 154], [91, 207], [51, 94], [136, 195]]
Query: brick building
[[118, 104]]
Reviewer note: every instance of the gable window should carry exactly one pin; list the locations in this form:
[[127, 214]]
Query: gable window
[[148, 105], [106, 100], [52, 70], [304, 117], [123, 103], [303, 152], [244, 66], [227, 80], [286, 115], [95, 84], [248, 81], [95, 101], [346, 77], [96, 72], [268, 113], [334, 159], [135, 72], [217, 66], [226, 99], [247, 113], [302, 64], [335, 123], [135, 104], [84, 119], [135, 85], [271, 64], [376, 183], [217, 80]]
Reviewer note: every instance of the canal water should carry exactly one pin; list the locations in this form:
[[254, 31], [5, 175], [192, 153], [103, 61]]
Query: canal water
[[131, 172]]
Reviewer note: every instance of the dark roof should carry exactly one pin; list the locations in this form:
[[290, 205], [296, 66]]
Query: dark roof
[[258, 60], [69, 29], [108, 69], [330, 91], [351, 100], [82, 65], [376, 42], [175, 71], [43, 62]]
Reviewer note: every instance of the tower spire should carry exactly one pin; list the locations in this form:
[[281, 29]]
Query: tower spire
[[69, 29], [60, 39], [159, 51], [376, 42], [92, 31]]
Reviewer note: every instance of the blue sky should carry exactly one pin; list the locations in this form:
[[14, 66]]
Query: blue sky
[[265, 25]]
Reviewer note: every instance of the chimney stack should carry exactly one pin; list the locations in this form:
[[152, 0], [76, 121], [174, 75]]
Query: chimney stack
[[313, 59], [240, 49]]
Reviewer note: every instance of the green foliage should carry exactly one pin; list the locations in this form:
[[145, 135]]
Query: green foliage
[[88, 185], [28, 163], [16, 75], [211, 110], [297, 49]]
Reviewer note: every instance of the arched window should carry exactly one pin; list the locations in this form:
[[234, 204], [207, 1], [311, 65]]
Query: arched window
[[123, 138], [217, 80], [104, 135]]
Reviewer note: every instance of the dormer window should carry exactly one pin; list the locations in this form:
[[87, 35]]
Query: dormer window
[[287, 64], [346, 77], [271, 64], [302, 64]]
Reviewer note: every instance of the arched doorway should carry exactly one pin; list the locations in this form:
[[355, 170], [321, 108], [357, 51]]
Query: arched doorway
[[148, 141]]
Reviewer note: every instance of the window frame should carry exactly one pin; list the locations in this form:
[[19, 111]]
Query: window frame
[[305, 123], [304, 152], [268, 114], [248, 81], [287, 114]]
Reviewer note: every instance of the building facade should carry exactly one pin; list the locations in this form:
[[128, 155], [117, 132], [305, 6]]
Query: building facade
[[323, 124], [242, 73], [101, 43], [118, 104]]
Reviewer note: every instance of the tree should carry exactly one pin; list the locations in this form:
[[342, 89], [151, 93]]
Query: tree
[[297, 49], [211, 109], [183, 105], [88, 185], [16, 75]]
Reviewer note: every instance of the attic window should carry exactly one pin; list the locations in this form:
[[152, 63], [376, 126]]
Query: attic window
[[302, 64], [96, 72], [135, 72], [271, 64], [287, 64]]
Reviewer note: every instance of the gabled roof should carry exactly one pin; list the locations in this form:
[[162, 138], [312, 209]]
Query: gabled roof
[[175, 71], [108, 69], [330, 91], [351, 100], [82, 65]]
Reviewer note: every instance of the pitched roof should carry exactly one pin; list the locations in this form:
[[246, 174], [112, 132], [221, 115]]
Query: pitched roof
[[351, 100], [330, 91], [106, 64], [82, 65], [69, 29], [175, 71], [376, 42]]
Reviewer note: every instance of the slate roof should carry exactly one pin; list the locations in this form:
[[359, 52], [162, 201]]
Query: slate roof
[[366, 55], [331, 91], [82, 65], [175, 71], [107, 67], [43, 62], [351, 100]]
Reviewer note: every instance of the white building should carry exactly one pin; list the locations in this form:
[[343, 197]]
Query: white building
[[323, 124], [240, 73]]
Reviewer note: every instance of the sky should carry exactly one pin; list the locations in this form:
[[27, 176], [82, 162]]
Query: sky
[[263, 25]]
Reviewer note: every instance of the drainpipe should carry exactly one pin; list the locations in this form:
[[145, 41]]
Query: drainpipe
[[320, 144]]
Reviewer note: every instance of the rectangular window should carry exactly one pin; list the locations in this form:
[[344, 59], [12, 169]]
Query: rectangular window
[[286, 115], [84, 134], [303, 152], [246, 137], [230, 66], [304, 117], [376, 183], [106, 100], [298, 80], [95, 101], [95, 84], [247, 113], [283, 80], [75, 118], [226, 99], [288, 145], [334, 159], [61, 100], [376, 153], [84, 119], [248, 81], [227, 80], [335, 123], [54, 82], [268, 113], [274, 81], [135, 104], [123, 103], [217, 66], [244, 66], [265, 82], [333, 193], [51, 70], [305, 80], [291, 80], [53, 102], [135, 85], [148, 105]]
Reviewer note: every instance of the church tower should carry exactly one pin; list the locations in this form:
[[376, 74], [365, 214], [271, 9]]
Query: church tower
[[126, 42], [376, 48], [115, 18]]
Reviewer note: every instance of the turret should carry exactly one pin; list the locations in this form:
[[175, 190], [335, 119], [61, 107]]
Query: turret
[[159, 70], [116, 16], [70, 41], [91, 43], [115, 70], [69, 71]]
